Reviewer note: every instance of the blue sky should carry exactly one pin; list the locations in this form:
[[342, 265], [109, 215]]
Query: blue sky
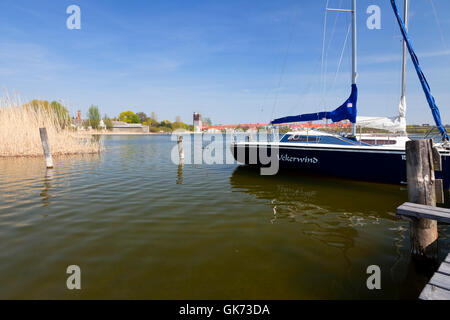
[[223, 59]]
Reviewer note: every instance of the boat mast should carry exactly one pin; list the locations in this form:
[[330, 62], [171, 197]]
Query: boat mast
[[402, 106], [354, 57]]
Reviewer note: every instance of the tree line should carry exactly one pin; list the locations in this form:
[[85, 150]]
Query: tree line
[[152, 121], [94, 118]]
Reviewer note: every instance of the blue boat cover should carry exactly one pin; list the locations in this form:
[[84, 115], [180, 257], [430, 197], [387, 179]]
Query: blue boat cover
[[347, 111], [423, 80]]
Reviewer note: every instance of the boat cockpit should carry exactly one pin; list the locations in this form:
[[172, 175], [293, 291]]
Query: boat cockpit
[[320, 137]]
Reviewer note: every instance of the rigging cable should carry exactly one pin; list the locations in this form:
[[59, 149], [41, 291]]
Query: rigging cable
[[341, 57], [444, 44], [322, 71], [306, 89], [283, 68], [326, 57]]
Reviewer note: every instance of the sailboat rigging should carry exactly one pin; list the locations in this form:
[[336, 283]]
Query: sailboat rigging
[[423, 80], [398, 123], [369, 158], [346, 111]]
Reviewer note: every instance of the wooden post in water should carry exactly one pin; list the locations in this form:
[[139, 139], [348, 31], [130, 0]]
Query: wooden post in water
[[421, 190], [180, 149], [46, 148]]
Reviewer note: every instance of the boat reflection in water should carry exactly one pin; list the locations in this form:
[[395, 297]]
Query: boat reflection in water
[[298, 195], [356, 219], [328, 210]]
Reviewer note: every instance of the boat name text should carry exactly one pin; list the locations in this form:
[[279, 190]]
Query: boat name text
[[285, 157]]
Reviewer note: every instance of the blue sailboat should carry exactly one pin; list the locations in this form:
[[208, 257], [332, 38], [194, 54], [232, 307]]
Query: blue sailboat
[[368, 158]]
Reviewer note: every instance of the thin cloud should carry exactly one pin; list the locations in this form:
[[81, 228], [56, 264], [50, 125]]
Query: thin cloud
[[390, 58]]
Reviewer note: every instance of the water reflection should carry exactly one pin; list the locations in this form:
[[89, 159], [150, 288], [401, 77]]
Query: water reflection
[[298, 197], [180, 173], [25, 178], [45, 194], [415, 277], [253, 237], [401, 233], [331, 211]]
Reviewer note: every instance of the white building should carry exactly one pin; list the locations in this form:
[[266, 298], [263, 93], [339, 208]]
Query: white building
[[119, 126]]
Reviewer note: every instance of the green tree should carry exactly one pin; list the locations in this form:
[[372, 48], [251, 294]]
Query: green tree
[[108, 122], [94, 117], [135, 119], [154, 123], [142, 117], [166, 123], [62, 113], [129, 117], [179, 125]]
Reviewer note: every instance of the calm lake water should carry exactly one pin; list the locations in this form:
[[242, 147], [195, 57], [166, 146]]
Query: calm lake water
[[141, 227]]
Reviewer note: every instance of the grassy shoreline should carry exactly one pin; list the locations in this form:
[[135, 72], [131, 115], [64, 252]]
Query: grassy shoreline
[[19, 132]]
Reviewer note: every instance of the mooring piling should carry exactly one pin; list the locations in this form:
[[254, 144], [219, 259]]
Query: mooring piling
[[422, 190], [46, 148], [180, 148]]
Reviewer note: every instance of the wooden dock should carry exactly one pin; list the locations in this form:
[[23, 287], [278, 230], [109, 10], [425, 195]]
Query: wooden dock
[[410, 210], [438, 288]]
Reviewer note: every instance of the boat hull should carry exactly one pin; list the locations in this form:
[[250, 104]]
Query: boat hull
[[384, 166]]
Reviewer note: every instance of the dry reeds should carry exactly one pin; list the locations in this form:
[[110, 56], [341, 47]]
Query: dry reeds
[[19, 132]]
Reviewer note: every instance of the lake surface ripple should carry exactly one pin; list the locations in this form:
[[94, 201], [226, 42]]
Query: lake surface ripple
[[141, 227]]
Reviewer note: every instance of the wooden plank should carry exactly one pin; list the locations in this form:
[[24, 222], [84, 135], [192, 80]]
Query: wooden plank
[[444, 268], [440, 280], [424, 212], [439, 286], [437, 160], [439, 186], [416, 205], [431, 292], [427, 210]]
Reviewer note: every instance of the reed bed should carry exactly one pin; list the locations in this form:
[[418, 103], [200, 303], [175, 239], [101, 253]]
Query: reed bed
[[19, 132]]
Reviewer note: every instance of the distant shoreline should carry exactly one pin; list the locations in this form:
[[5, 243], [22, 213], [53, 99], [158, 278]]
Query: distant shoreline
[[130, 133]]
